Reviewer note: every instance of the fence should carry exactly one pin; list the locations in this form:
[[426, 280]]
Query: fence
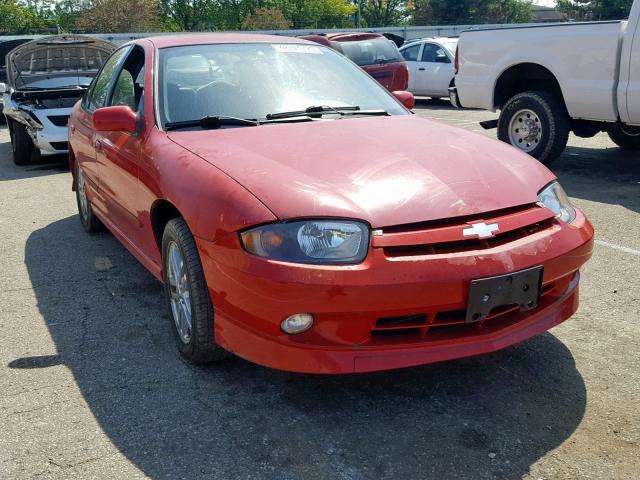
[[406, 32]]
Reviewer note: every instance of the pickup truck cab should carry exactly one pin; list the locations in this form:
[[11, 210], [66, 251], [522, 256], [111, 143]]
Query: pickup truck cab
[[551, 80]]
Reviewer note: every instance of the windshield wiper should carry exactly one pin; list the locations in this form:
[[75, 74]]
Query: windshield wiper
[[321, 110], [212, 123]]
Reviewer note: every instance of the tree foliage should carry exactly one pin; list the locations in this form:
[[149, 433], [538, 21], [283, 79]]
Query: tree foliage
[[120, 16], [596, 9], [468, 12], [266, 19]]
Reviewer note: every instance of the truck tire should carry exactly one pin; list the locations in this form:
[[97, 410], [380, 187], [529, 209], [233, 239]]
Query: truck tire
[[625, 136], [537, 123], [187, 296], [21, 144]]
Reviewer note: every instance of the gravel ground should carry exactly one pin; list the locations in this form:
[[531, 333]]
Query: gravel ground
[[91, 385]]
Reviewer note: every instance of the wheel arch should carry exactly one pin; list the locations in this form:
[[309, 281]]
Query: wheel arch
[[162, 212], [522, 77]]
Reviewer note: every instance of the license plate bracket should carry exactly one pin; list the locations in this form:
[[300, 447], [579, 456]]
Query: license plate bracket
[[519, 288]]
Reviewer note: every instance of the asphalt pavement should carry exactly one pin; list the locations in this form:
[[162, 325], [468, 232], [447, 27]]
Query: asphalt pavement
[[91, 385]]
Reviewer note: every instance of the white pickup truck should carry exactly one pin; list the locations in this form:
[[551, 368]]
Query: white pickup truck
[[549, 80]]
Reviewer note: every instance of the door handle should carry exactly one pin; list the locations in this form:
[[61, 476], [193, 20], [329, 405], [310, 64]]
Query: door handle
[[98, 145], [422, 69]]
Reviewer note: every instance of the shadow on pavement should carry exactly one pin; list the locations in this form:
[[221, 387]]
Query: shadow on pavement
[[605, 175], [486, 417], [39, 167]]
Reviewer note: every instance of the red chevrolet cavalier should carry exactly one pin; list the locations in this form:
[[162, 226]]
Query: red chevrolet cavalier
[[300, 217]]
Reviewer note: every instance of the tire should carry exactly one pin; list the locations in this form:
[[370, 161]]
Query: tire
[[625, 136], [89, 221], [186, 293], [21, 144], [546, 125]]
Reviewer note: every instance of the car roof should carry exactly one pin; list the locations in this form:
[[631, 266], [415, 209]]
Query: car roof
[[416, 41], [164, 41]]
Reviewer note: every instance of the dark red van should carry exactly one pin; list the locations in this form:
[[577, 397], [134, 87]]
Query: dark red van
[[374, 53]]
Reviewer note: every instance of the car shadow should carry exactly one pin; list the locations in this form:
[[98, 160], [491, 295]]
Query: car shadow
[[38, 167], [604, 175], [484, 417]]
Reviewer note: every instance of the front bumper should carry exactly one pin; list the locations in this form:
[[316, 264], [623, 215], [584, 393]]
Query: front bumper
[[251, 297]]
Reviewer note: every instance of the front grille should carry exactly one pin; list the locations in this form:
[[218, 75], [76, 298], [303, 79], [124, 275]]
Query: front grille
[[59, 120], [446, 237], [451, 323], [60, 145]]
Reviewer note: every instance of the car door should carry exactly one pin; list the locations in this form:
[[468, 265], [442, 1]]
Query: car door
[[81, 128], [118, 153], [434, 71], [411, 55]]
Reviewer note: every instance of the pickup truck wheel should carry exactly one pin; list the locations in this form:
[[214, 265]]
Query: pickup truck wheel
[[625, 136], [21, 144], [536, 123], [187, 295]]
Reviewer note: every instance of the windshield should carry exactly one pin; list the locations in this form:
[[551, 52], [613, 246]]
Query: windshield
[[369, 52], [251, 81]]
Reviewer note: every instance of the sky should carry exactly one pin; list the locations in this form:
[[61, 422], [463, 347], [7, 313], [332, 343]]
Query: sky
[[545, 3]]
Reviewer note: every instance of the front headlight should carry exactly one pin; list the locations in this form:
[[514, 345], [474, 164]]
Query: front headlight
[[310, 241], [555, 199]]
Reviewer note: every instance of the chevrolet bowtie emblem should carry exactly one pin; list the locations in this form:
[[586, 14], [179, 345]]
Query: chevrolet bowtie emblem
[[482, 230]]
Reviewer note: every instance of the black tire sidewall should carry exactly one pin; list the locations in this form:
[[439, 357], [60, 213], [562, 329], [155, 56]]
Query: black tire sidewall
[[554, 121], [21, 145], [201, 347], [623, 139], [91, 224]]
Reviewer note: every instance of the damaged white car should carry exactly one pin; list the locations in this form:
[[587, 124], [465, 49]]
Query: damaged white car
[[45, 78]]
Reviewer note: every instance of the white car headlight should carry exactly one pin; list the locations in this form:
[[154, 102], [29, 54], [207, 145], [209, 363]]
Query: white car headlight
[[555, 199], [310, 241]]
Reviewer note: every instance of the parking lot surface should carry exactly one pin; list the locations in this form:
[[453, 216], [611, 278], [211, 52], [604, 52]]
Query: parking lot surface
[[91, 385]]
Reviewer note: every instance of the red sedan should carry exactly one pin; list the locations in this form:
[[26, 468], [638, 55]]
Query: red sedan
[[300, 217]]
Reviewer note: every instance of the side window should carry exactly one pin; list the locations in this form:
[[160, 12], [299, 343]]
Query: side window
[[410, 54], [434, 54], [130, 83], [100, 86]]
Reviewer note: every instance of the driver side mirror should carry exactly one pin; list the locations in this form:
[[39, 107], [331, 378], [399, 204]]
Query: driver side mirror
[[3, 88], [115, 119], [442, 58], [406, 98]]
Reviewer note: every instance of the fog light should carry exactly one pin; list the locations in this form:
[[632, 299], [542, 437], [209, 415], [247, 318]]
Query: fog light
[[298, 323]]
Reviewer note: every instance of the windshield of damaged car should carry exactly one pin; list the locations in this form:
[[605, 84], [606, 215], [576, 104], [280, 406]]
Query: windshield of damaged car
[[251, 81]]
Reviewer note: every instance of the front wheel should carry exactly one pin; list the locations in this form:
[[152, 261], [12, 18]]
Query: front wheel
[[625, 136], [536, 123], [187, 296], [21, 144]]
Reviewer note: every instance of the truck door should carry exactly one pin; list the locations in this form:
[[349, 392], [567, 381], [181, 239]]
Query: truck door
[[633, 89]]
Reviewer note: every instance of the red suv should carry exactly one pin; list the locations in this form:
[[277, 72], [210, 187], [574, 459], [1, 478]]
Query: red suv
[[374, 53]]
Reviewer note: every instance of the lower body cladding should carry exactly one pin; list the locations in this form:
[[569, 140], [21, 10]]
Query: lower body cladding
[[391, 311]]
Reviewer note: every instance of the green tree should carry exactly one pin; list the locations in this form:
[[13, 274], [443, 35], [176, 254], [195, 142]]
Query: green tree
[[266, 19], [383, 13], [112, 16], [595, 9], [467, 12], [17, 18]]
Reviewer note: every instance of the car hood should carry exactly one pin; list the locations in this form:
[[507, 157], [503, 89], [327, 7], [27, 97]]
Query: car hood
[[74, 57], [384, 170]]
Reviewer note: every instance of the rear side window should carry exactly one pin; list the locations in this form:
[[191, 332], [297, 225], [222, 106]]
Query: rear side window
[[369, 52], [410, 54], [97, 95], [434, 54]]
